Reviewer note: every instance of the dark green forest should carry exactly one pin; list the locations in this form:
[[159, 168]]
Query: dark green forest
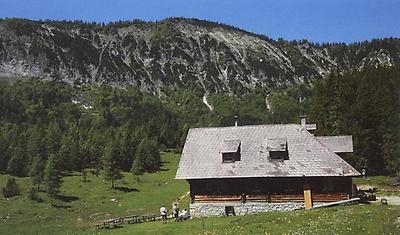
[[47, 125], [365, 104]]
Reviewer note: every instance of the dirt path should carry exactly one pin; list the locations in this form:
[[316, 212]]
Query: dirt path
[[392, 200], [183, 196]]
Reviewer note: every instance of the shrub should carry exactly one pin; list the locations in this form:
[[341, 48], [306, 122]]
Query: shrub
[[11, 189]]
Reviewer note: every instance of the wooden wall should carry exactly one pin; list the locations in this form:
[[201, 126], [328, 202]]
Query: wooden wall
[[323, 189]]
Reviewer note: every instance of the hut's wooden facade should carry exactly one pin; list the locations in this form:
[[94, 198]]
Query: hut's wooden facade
[[277, 189]]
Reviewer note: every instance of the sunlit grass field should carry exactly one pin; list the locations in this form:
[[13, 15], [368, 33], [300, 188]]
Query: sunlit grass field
[[85, 203], [354, 219]]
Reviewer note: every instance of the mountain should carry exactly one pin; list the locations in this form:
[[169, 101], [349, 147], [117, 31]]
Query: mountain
[[205, 56]]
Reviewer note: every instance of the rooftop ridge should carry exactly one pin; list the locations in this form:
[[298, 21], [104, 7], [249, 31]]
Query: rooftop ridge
[[244, 126]]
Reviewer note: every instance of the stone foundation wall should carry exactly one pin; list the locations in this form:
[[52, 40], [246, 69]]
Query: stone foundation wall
[[218, 209]]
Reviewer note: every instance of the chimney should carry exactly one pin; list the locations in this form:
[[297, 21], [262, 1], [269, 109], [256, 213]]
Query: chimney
[[303, 122], [236, 121]]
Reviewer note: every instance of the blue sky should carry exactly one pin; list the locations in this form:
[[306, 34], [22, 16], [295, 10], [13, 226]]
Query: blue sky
[[315, 20]]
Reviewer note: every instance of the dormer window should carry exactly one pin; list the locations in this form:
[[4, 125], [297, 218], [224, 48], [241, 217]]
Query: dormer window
[[230, 150], [277, 149]]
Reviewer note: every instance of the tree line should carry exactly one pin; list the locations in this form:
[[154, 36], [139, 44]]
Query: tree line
[[48, 128]]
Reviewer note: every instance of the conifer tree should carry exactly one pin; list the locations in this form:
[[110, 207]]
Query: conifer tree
[[149, 154], [11, 188], [52, 177], [37, 170], [64, 154], [52, 139], [17, 163], [137, 168], [74, 148], [34, 144], [3, 151], [112, 171]]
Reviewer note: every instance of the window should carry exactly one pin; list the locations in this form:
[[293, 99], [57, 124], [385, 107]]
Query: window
[[277, 154], [228, 157]]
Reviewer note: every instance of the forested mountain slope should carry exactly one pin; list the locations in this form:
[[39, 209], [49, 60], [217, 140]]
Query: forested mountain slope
[[138, 87]]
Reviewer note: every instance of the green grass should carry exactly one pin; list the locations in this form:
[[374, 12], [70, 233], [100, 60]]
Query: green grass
[[90, 202], [355, 219], [383, 183], [380, 181]]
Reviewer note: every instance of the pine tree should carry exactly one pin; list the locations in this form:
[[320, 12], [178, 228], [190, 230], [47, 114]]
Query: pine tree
[[74, 161], [4, 156], [153, 156], [149, 154], [52, 177], [112, 171], [11, 188], [137, 168], [52, 139], [17, 164], [37, 170], [64, 156], [125, 147], [34, 145]]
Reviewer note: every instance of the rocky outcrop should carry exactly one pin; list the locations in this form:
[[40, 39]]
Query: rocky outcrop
[[174, 53]]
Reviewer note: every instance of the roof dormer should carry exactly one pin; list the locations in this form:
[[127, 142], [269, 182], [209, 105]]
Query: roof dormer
[[230, 150], [277, 149]]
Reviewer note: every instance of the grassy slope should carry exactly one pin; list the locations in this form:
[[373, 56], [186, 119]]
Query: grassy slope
[[90, 202], [355, 219]]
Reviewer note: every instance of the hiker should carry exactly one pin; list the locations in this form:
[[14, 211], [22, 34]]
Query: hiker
[[185, 214], [175, 211], [243, 198], [163, 212]]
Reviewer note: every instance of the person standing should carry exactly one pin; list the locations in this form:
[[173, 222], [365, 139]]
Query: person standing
[[185, 214], [175, 211], [163, 213]]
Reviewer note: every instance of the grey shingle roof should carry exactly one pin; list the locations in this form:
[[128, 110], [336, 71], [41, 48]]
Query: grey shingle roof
[[337, 144], [202, 158]]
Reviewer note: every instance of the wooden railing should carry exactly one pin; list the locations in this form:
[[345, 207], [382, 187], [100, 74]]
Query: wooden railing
[[316, 197], [276, 198], [329, 197], [214, 198]]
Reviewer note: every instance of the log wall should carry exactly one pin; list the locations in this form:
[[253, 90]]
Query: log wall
[[270, 190]]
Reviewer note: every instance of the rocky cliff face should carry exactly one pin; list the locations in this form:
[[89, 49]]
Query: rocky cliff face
[[175, 53]]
